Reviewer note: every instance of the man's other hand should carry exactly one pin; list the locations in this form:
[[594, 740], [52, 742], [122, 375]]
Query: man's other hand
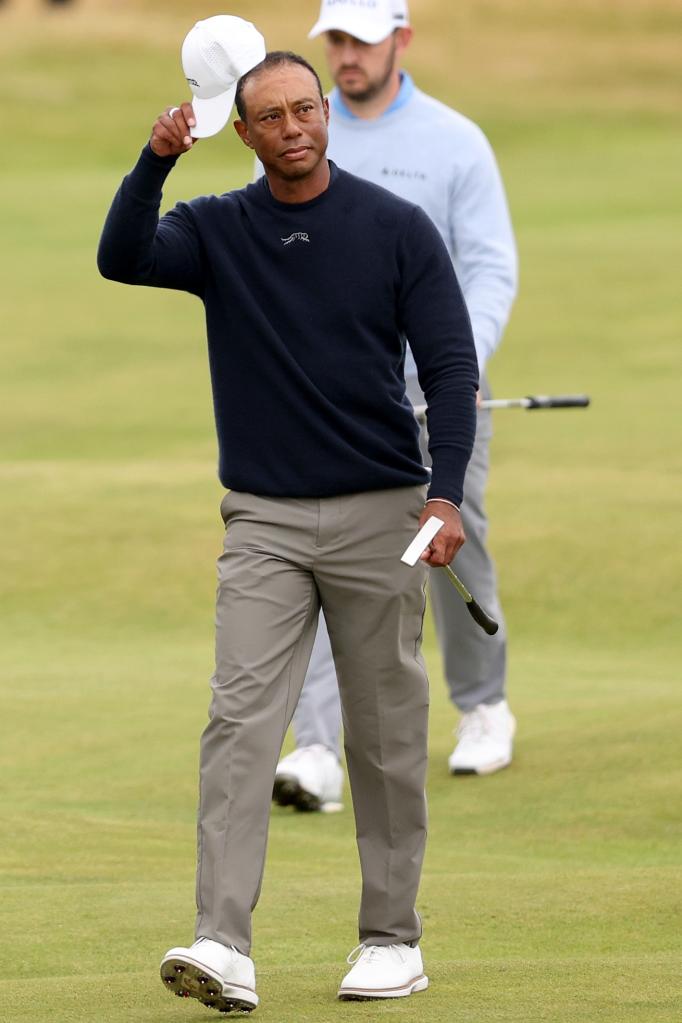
[[449, 537]]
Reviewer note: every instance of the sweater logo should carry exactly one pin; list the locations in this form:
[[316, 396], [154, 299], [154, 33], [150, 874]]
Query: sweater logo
[[297, 236]]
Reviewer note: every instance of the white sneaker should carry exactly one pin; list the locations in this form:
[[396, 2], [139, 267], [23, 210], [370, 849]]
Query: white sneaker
[[484, 740], [383, 971], [310, 778], [217, 975]]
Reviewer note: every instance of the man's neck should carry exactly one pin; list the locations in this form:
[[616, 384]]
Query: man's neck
[[372, 108], [297, 190]]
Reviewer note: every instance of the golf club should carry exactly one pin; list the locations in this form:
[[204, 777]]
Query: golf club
[[533, 401], [417, 548]]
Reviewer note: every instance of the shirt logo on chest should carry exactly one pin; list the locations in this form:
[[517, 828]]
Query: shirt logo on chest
[[297, 236], [398, 172]]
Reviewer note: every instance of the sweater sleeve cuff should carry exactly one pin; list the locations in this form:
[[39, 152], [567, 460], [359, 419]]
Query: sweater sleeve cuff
[[165, 163], [447, 485], [149, 173], [442, 500]]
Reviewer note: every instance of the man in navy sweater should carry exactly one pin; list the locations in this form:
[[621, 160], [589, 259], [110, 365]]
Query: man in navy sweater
[[311, 279]]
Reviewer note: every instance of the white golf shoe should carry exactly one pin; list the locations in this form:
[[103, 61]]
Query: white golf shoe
[[383, 971], [485, 738], [216, 975], [310, 778]]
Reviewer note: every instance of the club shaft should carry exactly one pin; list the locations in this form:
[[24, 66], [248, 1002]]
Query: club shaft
[[488, 624], [458, 584], [532, 401]]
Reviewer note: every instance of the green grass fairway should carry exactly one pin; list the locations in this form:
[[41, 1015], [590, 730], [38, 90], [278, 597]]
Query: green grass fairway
[[551, 891]]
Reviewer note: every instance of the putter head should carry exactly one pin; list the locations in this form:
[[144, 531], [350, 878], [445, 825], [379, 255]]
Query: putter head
[[422, 540]]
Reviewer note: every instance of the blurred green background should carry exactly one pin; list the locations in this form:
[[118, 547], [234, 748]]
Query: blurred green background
[[551, 891]]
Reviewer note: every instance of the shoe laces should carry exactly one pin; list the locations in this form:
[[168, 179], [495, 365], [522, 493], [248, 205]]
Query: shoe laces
[[485, 721], [373, 953], [230, 948], [472, 725]]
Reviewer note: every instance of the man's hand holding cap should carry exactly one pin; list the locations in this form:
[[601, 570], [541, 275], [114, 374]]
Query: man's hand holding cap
[[171, 134]]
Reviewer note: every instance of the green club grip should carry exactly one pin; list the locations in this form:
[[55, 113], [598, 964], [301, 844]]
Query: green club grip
[[487, 623], [558, 401]]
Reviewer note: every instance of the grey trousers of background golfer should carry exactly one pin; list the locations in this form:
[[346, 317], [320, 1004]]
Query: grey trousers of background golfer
[[474, 663], [282, 560]]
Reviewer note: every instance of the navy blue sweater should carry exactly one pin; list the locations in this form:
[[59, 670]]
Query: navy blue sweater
[[307, 308]]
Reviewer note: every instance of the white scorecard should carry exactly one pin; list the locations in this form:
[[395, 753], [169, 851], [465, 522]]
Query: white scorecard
[[422, 540]]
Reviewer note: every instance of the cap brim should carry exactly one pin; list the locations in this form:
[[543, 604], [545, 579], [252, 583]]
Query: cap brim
[[212, 114], [341, 23]]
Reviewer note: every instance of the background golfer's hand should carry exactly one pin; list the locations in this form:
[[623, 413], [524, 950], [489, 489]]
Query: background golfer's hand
[[448, 539], [171, 131]]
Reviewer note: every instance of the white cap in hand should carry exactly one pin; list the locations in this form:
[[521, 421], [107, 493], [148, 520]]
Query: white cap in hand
[[215, 55]]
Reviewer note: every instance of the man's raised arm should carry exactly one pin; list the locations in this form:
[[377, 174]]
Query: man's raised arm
[[138, 248]]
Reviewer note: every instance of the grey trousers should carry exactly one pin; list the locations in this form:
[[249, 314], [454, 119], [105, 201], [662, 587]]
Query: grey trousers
[[282, 561], [474, 664]]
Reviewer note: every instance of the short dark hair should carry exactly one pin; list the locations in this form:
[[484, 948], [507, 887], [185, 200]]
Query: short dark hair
[[276, 58]]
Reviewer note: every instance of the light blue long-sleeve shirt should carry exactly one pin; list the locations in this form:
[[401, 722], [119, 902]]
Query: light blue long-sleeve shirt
[[426, 152]]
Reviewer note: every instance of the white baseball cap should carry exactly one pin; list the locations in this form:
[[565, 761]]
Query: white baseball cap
[[369, 20], [215, 55]]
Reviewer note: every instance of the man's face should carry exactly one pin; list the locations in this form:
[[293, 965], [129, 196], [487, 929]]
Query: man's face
[[286, 120], [361, 70]]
